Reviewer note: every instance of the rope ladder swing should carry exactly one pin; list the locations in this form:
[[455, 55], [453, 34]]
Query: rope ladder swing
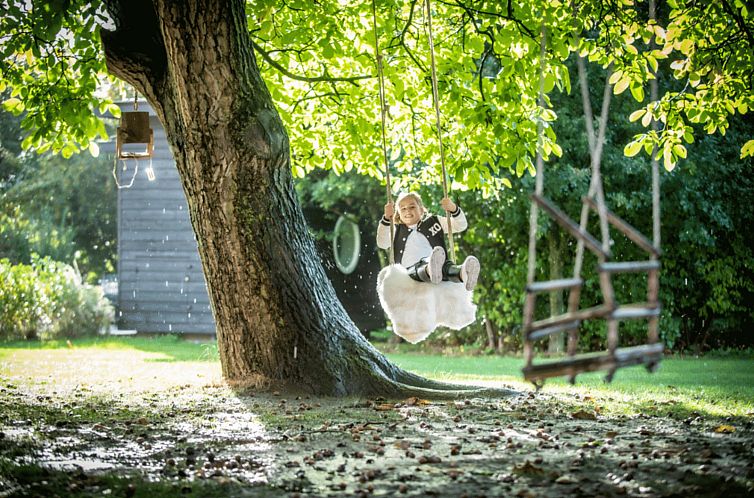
[[610, 310]]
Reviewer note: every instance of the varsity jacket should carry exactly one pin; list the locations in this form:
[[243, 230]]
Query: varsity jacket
[[430, 226]]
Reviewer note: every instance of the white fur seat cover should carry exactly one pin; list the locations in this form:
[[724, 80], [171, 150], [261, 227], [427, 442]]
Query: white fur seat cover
[[417, 308]]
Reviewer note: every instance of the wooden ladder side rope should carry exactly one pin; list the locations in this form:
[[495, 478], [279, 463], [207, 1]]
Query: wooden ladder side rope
[[653, 284], [595, 190], [531, 296], [436, 98], [383, 110]]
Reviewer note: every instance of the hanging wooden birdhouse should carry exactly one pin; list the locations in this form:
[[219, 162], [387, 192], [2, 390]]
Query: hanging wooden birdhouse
[[134, 138]]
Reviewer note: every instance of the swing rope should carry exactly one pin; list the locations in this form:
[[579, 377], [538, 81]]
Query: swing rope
[[383, 110], [436, 98], [539, 178]]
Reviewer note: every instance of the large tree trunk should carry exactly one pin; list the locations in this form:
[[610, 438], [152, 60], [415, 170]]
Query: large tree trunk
[[279, 322]]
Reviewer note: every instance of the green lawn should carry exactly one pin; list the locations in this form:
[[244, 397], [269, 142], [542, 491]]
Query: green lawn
[[712, 385], [707, 385], [164, 348]]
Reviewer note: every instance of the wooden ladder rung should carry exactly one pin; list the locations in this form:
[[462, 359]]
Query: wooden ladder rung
[[635, 311], [647, 354], [629, 266], [535, 335], [629, 231], [570, 226], [578, 315], [636, 355], [554, 285]]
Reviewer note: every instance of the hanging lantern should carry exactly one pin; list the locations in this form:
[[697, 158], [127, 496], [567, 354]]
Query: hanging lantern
[[134, 130], [134, 140]]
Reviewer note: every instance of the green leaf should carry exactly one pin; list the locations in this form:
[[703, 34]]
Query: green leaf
[[667, 159], [557, 150], [647, 119], [652, 63], [94, 149], [549, 82], [632, 148], [475, 44], [679, 150], [748, 149], [68, 150], [638, 92], [14, 106], [621, 86], [636, 115]]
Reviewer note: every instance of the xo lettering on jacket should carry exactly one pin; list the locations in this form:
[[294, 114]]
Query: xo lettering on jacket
[[435, 229]]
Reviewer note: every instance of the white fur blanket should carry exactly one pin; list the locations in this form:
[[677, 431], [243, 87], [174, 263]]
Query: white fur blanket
[[417, 308]]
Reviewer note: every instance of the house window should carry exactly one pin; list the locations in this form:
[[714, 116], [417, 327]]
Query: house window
[[346, 245]]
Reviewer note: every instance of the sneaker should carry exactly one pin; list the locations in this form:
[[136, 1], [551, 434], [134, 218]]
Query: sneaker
[[470, 272], [434, 265]]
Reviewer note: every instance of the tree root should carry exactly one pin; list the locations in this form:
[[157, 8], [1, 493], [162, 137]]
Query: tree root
[[401, 384], [377, 376], [451, 391]]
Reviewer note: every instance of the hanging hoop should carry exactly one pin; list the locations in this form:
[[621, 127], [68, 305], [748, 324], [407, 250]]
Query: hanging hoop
[[125, 168]]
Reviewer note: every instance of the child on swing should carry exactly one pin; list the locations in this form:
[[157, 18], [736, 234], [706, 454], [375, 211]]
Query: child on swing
[[419, 241]]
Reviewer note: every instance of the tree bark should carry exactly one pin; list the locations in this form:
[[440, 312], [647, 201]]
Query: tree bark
[[279, 322], [491, 333]]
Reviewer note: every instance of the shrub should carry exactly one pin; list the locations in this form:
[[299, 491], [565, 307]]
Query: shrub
[[47, 300]]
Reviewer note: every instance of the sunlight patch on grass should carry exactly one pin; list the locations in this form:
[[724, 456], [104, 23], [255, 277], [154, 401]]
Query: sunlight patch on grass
[[716, 386], [708, 385], [105, 365]]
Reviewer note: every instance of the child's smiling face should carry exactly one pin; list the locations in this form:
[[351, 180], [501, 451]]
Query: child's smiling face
[[410, 211]]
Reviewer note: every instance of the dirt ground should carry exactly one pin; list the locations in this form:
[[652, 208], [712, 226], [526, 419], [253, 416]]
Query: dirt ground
[[198, 437]]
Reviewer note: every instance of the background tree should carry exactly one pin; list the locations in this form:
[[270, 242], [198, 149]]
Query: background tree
[[64, 209]]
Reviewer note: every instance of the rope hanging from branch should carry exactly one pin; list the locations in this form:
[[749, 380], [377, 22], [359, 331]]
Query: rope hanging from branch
[[388, 193], [436, 99]]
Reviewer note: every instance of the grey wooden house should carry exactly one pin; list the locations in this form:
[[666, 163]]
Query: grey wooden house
[[161, 287]]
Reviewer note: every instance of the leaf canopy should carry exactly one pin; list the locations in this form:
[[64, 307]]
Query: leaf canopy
[[318, 60]]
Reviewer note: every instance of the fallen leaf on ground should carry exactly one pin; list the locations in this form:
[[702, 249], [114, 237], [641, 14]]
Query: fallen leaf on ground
[[583, 415], [566, 479], [527, 468], [725, 429]]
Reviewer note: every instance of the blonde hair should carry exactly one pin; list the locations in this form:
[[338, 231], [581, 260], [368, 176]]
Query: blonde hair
[[403, 196]]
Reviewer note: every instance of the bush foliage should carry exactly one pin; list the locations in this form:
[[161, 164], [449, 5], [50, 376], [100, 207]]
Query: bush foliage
[[47, 300]]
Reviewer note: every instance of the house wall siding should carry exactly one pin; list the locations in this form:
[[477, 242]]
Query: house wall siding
[[161, 286]]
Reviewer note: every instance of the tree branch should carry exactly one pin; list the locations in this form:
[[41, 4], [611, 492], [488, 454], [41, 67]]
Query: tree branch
[[310, 79], [740, 21], [134, 50]]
